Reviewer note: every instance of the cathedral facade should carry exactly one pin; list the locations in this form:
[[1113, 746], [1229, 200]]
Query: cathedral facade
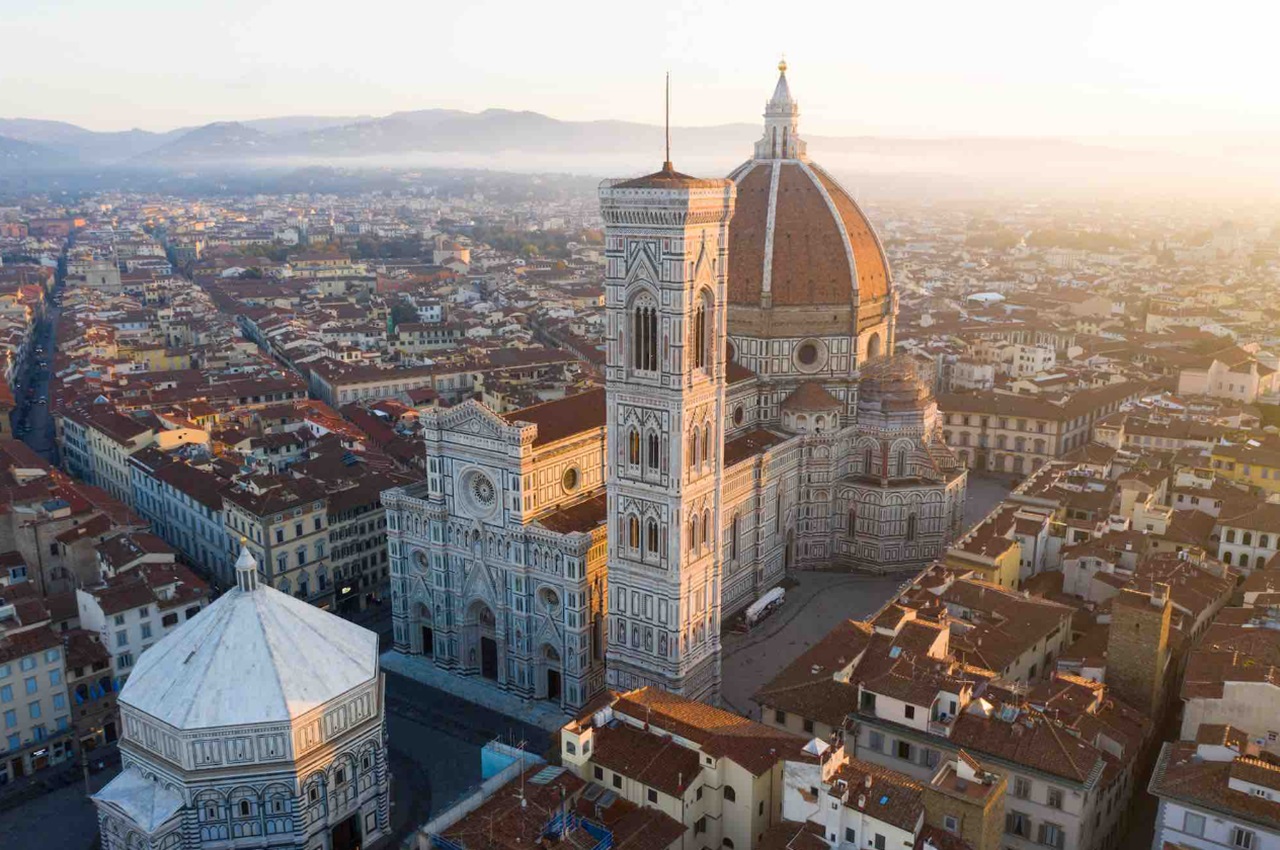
[[753, 422]]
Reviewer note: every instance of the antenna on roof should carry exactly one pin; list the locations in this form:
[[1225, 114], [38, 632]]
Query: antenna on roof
[[666, 164]]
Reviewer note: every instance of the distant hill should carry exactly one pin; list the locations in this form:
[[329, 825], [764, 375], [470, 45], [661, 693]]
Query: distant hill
[[19, 157], [510, 140], [221, 142]]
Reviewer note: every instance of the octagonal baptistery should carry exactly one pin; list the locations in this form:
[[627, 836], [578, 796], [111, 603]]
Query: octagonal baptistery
[[810, 295], [258, 723]]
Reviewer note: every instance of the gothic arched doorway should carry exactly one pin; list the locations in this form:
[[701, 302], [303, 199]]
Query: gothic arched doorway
[[484, 624], [551, 660], [428, 634]]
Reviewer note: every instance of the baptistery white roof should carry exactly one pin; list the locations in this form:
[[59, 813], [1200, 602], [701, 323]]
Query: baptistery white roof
[[256, 655]]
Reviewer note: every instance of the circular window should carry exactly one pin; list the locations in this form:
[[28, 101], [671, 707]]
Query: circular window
[[738, 415], [550, 599], [807, 354], [570, 480], [482, 490], [420, 559]]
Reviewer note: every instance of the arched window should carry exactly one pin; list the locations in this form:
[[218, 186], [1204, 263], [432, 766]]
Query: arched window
[[706, 443], [1247, 540], [700, 335], [1226, 558], [1039, 447], [244, 808], [853, 521], [633, 447], [706, 528], [733, 537], [902, 463], [653, 452], [911, 527], [633, 532], [644, 335], [693, 532], [1231, 535], [1264, 541], [693, 448], [866, 460], [873, 347], [730, 796], [1260, 563], [651, 533]]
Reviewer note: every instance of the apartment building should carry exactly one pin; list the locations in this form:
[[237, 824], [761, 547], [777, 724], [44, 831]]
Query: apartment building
[[1000, 432], [1230, 373], [1255, 466], [35, 714], [833, 801], [184, 505], [1250, 539], [936, 674], [337, 384], [284, 522], [130, 612], [98, 442], [357, 523], [91, 689], [1216, 792], [718, 773]]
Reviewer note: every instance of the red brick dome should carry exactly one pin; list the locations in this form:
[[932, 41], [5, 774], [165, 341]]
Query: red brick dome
[[798, 240], [803, 259]]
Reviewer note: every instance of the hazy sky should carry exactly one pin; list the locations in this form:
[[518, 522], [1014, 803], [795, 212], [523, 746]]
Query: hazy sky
[[920, 67]]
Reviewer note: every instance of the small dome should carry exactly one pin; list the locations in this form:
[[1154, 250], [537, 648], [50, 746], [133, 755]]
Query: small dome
[[811, 397], [892, 383]]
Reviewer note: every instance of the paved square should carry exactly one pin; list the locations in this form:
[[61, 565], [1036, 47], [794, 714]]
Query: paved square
[[814, 606]]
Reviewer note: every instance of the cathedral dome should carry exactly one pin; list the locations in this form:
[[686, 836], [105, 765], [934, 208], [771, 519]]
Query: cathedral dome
[[798, 241], [256, 655]]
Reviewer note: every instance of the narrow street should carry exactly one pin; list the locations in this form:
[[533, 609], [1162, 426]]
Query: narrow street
[[31, 420]]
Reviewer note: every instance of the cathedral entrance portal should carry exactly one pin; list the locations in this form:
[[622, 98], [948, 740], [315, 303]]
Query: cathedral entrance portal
[[551, 661], [489, 658], [346, 835], [553, 685], [482, 635]]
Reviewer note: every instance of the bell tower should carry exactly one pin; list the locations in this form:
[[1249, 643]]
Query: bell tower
[[666, 244]]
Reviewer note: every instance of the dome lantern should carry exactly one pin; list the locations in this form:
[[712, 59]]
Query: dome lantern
[[246, 569]]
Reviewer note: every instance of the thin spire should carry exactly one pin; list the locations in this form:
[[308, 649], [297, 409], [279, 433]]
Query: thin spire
[[666, 164]]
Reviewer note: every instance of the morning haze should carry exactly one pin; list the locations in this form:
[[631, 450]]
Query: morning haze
[[689, 426]]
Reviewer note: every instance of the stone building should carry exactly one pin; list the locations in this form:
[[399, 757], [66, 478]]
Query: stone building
[[258, 723], [497, 559], [752, 423]]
